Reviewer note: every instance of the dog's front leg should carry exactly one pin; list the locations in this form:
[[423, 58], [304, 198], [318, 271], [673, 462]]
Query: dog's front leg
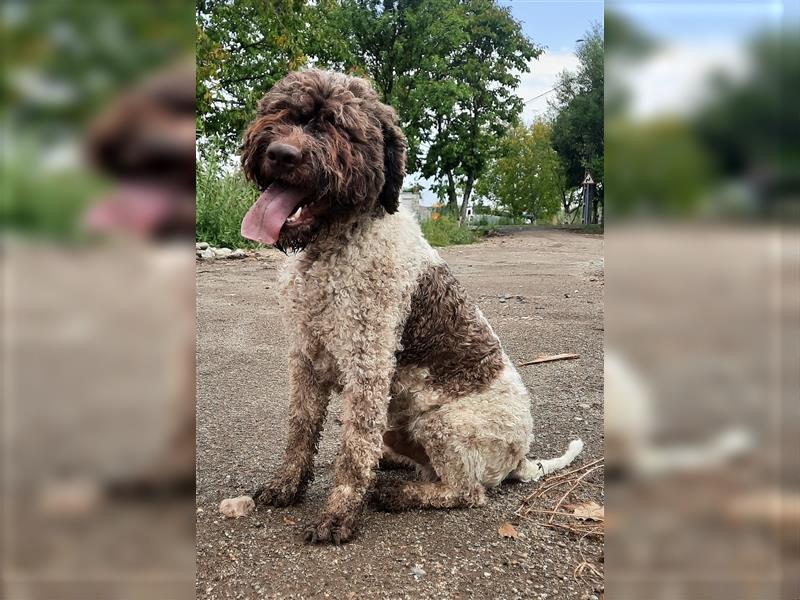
[[365, 404], [309, 396]]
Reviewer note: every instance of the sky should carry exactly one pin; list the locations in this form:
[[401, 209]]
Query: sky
[[694, 40], [554, 25]]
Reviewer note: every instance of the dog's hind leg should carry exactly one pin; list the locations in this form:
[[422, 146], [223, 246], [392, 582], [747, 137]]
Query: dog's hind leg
[[392, 460], [395, 496]]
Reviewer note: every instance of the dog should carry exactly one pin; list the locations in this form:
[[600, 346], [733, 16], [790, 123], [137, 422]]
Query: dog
[[375, 315]]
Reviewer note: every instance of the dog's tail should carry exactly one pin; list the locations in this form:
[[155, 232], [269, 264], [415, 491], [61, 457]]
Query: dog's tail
[[531, 469]]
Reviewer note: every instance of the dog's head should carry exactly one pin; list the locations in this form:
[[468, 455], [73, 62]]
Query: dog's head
[[322, 149]]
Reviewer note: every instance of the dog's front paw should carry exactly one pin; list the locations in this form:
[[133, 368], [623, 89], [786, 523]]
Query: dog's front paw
[[330, 528], [278, 493]]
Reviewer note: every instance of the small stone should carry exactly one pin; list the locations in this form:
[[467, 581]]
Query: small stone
[[201, 246], [207, 254], [238, 253], [222, 252], [487, 574], [418, 572], [233, 508]]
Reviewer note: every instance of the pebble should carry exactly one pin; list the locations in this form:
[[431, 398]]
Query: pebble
[[417, 571], [206, 252], [237, 507]]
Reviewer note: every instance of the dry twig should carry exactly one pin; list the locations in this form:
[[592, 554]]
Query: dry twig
[[551, 358]]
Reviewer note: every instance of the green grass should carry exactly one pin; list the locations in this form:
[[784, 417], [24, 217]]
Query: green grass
[[222, 201], [224, 198], [45, 205], [447, 232]]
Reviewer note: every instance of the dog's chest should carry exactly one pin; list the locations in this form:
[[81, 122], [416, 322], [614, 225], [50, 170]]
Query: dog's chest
[[345, 306]]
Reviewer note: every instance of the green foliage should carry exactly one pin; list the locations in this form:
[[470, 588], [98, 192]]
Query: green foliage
[[669, 176], [471, 98], [83, 53], [49, 204], [222, 201], [527, 178], [449, 67], [242, 49], [578, 128], [446, 231]]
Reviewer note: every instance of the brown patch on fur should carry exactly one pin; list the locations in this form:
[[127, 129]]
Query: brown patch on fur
[[400, 443], [445, 334]]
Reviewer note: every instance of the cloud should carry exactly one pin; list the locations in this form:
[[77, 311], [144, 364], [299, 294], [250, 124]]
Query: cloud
[[678, 79], [542, 77]]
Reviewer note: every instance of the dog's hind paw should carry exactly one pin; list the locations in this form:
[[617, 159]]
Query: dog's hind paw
[[330, 528], [388, 496]]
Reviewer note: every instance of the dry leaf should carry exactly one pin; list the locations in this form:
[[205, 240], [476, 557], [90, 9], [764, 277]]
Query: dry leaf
[[507, 531], [589, 511]]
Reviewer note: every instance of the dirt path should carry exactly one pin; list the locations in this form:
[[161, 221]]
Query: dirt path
[[542, 290]]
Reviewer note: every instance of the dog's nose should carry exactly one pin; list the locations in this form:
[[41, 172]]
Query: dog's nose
[[283, 154]]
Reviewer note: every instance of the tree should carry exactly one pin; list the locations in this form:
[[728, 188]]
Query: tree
[[578, 127], [243, 48], [527, 179], [477, 104], [403, 46], [449, 67]]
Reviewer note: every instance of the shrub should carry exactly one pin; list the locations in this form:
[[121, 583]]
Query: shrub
[[222, 201], [446, 231], [42, 203]]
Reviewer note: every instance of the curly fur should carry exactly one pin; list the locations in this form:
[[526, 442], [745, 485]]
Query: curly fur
[[375, 315]]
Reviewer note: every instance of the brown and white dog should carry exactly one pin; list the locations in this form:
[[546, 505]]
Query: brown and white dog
[[375, 315]]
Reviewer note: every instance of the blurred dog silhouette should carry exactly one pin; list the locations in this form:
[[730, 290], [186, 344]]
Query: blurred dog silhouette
[[145, 141], [630, 431]]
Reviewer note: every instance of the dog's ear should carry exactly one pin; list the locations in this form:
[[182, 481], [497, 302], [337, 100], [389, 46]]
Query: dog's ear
[[249, 152], [394, 161]]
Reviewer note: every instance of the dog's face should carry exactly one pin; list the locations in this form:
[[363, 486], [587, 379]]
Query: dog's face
[[321, 149]]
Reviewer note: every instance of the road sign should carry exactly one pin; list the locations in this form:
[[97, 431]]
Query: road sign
[[588, 180]]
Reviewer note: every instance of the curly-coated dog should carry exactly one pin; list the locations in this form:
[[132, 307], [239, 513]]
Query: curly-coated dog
[[375, 315]]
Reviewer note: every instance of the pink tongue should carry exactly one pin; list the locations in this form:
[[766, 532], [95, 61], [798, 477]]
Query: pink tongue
[[264, 220]]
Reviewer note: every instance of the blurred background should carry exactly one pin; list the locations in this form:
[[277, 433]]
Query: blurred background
[[702, 306], [97, 165], [97, 213]]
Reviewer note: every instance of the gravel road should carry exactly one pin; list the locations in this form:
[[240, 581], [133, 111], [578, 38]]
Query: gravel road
[[542, 290]]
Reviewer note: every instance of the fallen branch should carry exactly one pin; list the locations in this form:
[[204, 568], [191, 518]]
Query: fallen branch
[[555, 481], [557, 516], [574, 485], [551, 358]]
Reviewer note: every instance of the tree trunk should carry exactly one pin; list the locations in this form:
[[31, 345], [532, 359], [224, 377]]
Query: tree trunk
[[465, 202], [452, 199]]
